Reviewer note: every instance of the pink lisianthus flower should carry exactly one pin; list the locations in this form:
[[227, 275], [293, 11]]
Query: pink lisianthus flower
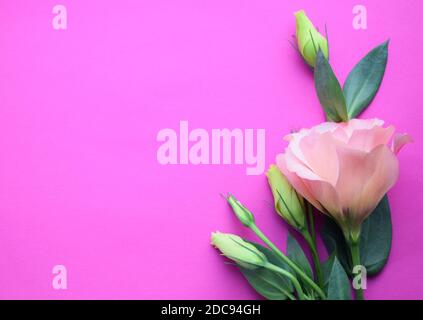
[[343, 169]]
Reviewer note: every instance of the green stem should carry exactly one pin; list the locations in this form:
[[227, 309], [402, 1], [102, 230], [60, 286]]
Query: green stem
[[355, 253], [311, 221], [315, 256], [289, 295], [290, 276], [288, 261], [312, 244]]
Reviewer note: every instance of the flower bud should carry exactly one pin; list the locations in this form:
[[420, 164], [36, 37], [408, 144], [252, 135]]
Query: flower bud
[[288, 203], [238, 250], [309, 39], [243, 214]]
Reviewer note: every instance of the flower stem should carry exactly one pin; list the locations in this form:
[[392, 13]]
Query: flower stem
[[290, 276], [311, 221], [290, 295], [355, 254], [315, 256], [310, 238], [288, 261]]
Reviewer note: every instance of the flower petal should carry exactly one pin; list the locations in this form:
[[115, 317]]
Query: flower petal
[[362, 124], [296, 181], [319, 151], [399, 140], [327, 196], [367, 139], [364, 178]]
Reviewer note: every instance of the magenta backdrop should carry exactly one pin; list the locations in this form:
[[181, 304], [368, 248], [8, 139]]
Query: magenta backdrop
[[80, 109]]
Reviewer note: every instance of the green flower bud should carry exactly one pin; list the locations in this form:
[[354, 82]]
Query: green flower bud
[[309, 39], [288, 203], [238, 250], [243, 214]]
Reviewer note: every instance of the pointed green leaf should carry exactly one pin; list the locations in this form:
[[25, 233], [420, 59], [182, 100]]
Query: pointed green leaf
[[296, 254], [274, 259], [339, 285], [335, 243], [375, 240], [327, 268], [364, 80], [329, 91], [269, 284], [266, 283]]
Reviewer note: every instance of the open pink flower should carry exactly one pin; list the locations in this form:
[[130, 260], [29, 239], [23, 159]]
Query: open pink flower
[[343, 169]]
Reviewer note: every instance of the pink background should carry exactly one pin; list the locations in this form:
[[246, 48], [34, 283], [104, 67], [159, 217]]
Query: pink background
[[80, 184]]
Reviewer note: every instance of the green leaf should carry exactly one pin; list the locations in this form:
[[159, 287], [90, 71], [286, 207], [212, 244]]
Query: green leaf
[[327, 268], [329, 90], [273, 258], [375, 240], [266, 283], [296, 254], [335, 243], [269, 284], [339, 284], [364, 80]]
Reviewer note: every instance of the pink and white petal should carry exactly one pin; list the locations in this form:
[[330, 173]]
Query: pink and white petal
[[399, 140], [288, 137], [354, 172], [319, 151], [296, 181], [362, 124], [359, 124], [294, 145], [296, 134], [297, 166], [386, 170], [327, 196], [325, 127], [340, 134], [368, 139], [296, 138]]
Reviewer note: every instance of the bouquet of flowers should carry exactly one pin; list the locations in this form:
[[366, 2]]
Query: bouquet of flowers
[[341, 168]]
